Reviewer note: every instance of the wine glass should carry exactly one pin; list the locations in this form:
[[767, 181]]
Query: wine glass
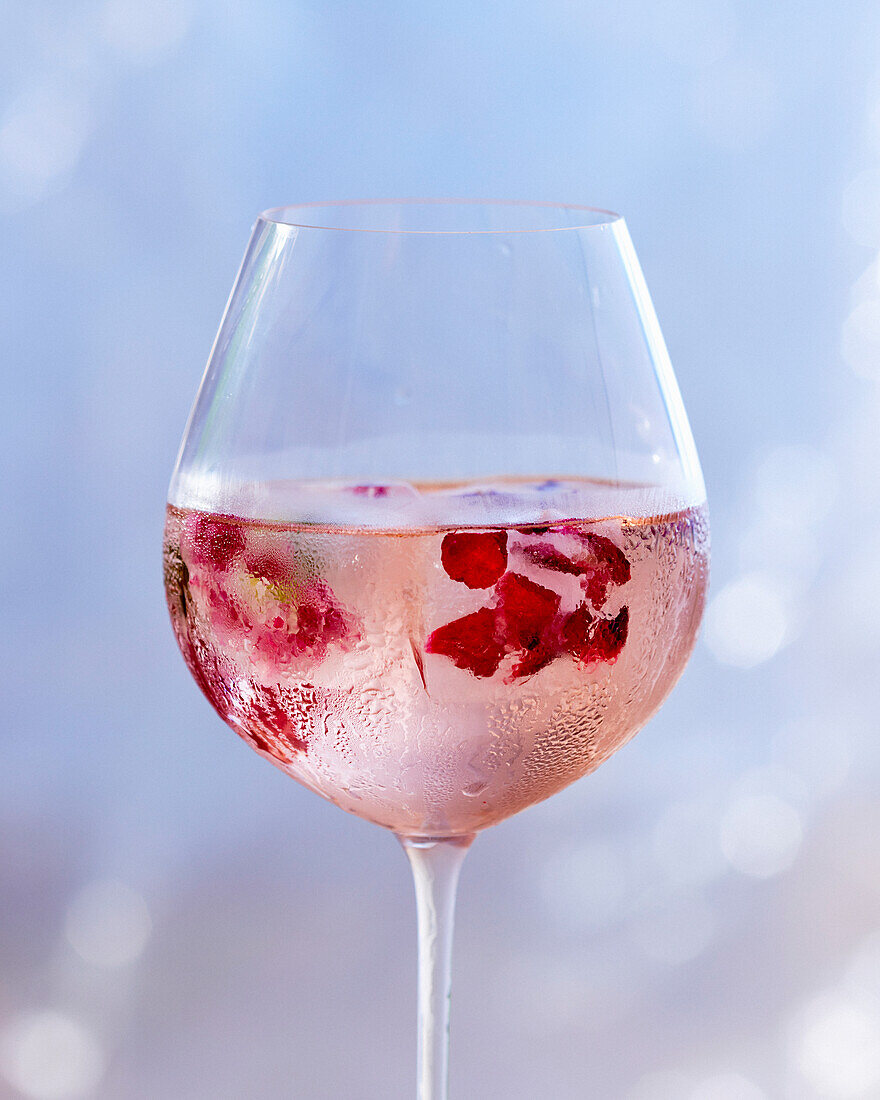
[[436, 541]]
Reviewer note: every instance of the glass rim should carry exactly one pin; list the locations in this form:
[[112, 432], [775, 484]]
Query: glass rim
[[290, 217]]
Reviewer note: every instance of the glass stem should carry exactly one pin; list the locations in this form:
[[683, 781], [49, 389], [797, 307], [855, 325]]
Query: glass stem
[[435, 866]]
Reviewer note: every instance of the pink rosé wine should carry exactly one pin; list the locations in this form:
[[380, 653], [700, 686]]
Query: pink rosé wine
[[435, 678]]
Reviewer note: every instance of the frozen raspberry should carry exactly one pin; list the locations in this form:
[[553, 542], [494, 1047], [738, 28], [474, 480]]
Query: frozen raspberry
[[608, 569], [577, 630], [548, 557], [213, 540], [335, 622], [321, 621], [278, 647], [596, 584], [271, 566], [268, 723], [604, 568], [309, 625], [605, 552], [612, 556], [470, 642], [227, 615], [525, 610], [477, 559], [609, 635], [536, 659], [371, 490], [320, 618], [523, 622], [590, 639]]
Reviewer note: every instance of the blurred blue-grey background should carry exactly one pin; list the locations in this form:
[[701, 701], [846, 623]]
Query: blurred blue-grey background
[[699, 920]]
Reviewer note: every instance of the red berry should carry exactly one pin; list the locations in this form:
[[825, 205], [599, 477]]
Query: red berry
[[606, 553], [268, 723], [612, 555], [227, 614], [576, 632], [320, 619], [371, 490], [548, 557], [477, 559], [470, 642], [335, 625], [609, 635], [525, 610], [590, 639], [536, 659], [605, 567], [596, 584], [309, 626], [213, 540], [271, 566]]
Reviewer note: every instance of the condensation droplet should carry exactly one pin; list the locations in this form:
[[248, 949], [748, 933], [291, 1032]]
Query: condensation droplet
[[473, 789]]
